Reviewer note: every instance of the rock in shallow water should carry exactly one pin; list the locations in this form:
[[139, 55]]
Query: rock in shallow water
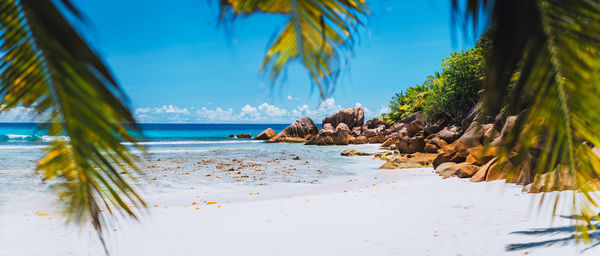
[[299, 131], [266, 134]]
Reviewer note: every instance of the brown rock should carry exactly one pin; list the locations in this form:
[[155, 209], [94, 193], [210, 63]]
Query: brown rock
[[380, 138], [361, 140], [244, 136], [388, 142], [479, 176], [508, 126], [547, 182], [481, 155], [449, 134], [446, 170], [375, 122], [329, 136], [418, 116], [473, 137], [414, 127], [498, 170], [431, 148], [461, 170], [356, 131], [354, 152], [456, 156], [352, 117], [416, 160], [266, 134], [374, 131], [342, 134], [431, 129], [416, 144], [300, 129], [402, 144]]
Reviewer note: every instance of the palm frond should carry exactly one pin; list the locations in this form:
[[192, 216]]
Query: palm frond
[[47, 65], [318, 34], [553, 48]]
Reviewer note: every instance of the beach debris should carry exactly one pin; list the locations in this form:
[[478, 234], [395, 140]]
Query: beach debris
[[209, 203]]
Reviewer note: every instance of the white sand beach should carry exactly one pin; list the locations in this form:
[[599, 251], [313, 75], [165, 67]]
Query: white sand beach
[[386, 212]]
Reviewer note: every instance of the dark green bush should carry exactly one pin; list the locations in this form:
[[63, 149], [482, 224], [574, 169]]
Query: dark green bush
[[450, 94]]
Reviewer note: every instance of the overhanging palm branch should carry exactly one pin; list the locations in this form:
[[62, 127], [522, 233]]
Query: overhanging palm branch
[[319, 34], [45, 64], [553, 47]]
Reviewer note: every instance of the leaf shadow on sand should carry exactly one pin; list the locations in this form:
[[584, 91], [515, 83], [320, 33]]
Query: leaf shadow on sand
[[570, 239]]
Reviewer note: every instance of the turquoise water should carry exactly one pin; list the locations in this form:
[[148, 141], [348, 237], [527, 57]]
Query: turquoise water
[[187, 156], [32, 132]]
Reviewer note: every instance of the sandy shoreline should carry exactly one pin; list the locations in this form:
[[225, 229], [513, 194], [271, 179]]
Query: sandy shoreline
[[387, 212]]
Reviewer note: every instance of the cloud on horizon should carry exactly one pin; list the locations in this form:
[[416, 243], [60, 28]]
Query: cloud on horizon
[[263, 113]]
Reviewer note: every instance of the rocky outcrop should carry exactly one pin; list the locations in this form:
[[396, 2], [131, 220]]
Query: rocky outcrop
[[244, 136], [266, 134], [449, 134], [354, 152], [330, 136], [300, 131], [416, 160], [461, 170], [352, 117], [361, 140]]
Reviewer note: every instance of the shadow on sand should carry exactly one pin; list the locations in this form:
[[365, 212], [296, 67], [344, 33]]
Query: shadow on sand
[[569, 239]]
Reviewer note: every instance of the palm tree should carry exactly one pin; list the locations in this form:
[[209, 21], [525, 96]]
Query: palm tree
[[551, 44], [545, 66], [47, 65], [320, 34]]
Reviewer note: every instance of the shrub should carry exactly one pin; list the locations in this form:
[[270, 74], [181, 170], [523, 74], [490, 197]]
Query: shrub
[[406, 103], [450, 94]]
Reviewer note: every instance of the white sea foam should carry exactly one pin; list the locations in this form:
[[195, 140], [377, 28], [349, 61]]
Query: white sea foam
[[193, 142], [21, 146]]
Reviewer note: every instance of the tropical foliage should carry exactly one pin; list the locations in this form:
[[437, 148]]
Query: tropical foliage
[[450, 94], [551, 44], [319, 34], [407, 102], [455, 91], [45, 64], [554, 47]]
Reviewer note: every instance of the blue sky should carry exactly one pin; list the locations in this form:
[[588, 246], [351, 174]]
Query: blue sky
[[177, 66]]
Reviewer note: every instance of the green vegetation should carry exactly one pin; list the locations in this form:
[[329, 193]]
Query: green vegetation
[[407, 102], [554, 46], [449, 95]]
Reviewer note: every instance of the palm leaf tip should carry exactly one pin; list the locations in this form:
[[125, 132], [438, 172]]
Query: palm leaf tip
[[318, 34], [544, 66], [47, 65]]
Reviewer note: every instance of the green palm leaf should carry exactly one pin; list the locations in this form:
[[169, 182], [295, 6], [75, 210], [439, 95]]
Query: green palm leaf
[[552, 47], [319, 34], [48, 66]]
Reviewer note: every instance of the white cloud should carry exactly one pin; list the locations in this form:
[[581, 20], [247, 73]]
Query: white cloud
[[383, 110], [263, 113], [21, 114]]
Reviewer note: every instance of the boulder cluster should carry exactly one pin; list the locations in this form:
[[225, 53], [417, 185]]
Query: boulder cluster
[[453, 149]]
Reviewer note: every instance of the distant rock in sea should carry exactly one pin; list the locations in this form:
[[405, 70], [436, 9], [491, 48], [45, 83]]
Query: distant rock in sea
[[266, 134]]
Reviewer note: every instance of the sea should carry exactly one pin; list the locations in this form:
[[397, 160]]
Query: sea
[[186, 156]]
